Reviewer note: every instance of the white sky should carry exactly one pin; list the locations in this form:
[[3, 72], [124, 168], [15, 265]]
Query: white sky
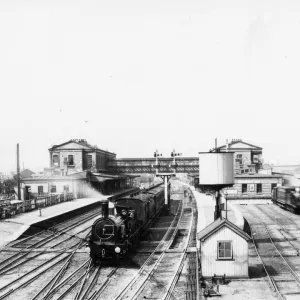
[[135, 76]]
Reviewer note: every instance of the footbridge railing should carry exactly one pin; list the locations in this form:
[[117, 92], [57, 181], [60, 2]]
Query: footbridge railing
[[148, 165]]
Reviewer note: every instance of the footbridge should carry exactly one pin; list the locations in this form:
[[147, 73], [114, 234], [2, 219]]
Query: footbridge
[[189, 165]]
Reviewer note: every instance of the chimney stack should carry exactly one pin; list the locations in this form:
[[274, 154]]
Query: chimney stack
[[104, 207]]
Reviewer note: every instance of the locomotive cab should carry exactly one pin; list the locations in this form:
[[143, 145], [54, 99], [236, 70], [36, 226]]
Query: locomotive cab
[[126, 212], [128, 215]]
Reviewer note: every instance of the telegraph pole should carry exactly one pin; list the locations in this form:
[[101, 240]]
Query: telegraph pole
[[18, 172]]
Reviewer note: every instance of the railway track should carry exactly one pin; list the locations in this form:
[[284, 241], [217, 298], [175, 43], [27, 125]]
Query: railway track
[[279, 270], [46, 236], [284, 239], [159, 273], [42, 244], [49, 254], [275, 253], [158, 276], [46, 267]]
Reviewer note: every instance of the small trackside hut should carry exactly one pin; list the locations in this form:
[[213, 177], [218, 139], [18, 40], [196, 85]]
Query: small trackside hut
[[223, 250]]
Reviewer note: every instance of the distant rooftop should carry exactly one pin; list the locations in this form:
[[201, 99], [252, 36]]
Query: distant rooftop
[[82, 142]]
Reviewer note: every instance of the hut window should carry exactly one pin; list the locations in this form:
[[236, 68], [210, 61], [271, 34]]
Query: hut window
[[224, 249]]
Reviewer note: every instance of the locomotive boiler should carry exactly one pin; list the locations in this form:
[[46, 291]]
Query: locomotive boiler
[[112, 236]]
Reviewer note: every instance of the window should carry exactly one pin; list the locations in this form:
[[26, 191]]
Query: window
[[40, 190], [53, 189], [273, 186], [71, 160], [97, 161], [259, 188], [246, 170], [224, 249], [55, 160], [89, 161], [244, 188], [66, 188]]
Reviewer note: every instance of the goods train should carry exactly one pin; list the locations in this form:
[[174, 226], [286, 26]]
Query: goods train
[[112, 236], [287, 197]]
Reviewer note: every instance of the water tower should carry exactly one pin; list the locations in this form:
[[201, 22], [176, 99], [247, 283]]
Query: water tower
[[216, 171]]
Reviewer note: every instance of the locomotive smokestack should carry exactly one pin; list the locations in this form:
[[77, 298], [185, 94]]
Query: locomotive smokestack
[[104, 207], [111, 208]]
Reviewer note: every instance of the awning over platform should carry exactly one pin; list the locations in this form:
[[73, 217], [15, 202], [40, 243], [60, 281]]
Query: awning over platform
[[101, 177]]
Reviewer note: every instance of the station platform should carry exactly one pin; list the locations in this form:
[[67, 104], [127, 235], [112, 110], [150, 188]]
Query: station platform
[[206, 207], [13, 228]]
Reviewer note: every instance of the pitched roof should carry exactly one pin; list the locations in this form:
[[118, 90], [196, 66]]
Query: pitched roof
[[233, 142], [217, 225], [73, 141], [81, 143], [26, 173]]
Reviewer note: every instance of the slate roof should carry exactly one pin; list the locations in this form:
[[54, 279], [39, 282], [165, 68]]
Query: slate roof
[[217, 225]]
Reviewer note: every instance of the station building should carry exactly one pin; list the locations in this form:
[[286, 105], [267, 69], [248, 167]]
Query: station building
[[247, 157], [253, 181], [78, 155], [45, 185], [252, 188], [77, 168]]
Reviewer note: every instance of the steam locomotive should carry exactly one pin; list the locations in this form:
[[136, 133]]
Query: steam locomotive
[[112, 236], [287, 197]]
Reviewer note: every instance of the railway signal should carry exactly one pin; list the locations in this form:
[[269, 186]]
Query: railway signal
[[174, 154], [156, 155]]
